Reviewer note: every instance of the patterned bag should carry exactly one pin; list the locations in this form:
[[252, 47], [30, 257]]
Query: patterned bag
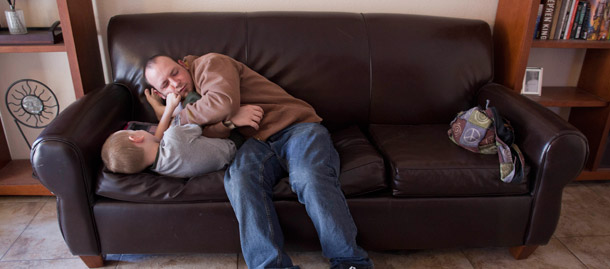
[[484, 131]]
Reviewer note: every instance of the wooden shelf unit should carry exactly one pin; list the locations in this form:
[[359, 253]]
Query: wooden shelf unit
[[81, 46], [59, 47], [590, 113], [567, 97]]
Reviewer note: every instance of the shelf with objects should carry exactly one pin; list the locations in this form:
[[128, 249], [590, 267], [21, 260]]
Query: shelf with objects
[[81, 46], [514, 32]]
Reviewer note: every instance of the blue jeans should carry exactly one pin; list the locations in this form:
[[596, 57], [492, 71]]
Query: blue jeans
[[306, 152]]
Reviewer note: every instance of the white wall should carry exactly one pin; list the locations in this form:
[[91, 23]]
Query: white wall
[[52, 68]]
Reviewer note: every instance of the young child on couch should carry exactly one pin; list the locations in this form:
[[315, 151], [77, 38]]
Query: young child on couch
[[178, 151]]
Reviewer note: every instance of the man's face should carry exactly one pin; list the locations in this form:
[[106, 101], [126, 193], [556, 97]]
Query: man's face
[[167, 76]]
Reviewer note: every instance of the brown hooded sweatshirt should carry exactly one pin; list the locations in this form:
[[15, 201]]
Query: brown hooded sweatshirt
[[224, 84]]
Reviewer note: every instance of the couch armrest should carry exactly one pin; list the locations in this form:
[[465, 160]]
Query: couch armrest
[[555, 149], [66, 158]]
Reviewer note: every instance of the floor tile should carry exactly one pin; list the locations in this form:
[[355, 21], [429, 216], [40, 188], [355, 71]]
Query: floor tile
[[602, 188], [584, 212], [41, 239], [594, 252], [305, 260], [208, 261], [453, 258], [309, 260], [14, 218], [47, 264], [553, 255]]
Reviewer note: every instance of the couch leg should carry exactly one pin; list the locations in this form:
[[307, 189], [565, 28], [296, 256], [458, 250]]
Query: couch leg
[[93, 261], [522, 252]]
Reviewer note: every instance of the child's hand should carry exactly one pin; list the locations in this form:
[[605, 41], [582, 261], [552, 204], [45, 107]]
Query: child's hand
[[172, 100], [248, 115]]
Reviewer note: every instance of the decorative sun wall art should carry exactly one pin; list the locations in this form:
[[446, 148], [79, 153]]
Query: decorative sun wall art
[[32, 104]]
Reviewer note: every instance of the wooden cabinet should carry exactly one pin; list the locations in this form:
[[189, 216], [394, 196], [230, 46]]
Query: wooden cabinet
[[81, 46], [513, 38]]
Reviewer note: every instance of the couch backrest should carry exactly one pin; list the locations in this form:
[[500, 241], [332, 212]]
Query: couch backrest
[[353, 68]]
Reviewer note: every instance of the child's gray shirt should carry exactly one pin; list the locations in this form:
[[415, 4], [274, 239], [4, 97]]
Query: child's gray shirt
[[184, 152]]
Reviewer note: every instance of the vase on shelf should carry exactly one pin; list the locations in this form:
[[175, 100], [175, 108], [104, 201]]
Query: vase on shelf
[[15, 21]]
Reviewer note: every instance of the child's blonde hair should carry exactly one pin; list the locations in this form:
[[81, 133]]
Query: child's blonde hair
[[120, 155]]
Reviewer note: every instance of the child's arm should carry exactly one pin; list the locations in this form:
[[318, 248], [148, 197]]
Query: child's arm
[[171, 102]]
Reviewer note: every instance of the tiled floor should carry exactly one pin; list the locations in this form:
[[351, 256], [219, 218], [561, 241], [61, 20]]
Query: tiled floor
[[30, 238]]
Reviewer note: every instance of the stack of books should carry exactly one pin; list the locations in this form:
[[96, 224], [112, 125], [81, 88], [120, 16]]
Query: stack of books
[[573, 19]]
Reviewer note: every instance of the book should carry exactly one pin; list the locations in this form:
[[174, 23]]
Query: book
[[547, 19], [595, 18], [570, 21], [558, 6], [585, 23], [564, 19], [581, 18], [537, 27], [561, 18], [603, 30], [579, 11]]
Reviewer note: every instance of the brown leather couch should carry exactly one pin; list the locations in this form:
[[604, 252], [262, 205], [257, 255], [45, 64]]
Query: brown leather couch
[[387, 86]]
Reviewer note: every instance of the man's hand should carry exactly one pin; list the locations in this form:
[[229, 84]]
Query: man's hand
[[248, 115]]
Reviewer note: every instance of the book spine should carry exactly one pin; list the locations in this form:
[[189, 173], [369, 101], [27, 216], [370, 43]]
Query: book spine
[[558, 6], [538, 18], [571, 20], [595, 18], [581, 19], [565, 17], [585, 23], [547, 19], [603, 29], [575, 22]]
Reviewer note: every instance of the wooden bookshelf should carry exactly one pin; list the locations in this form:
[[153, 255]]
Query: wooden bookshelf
[[59, 47], [571, 44], [16, 179], [567, 97], [590, 112], [81, 46]]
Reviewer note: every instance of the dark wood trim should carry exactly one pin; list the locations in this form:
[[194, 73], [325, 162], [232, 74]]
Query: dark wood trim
[[5, 154], [571, 44], [593, 123], [16, 179], [59, 47], [567, 97], [80, 37], [513, 32], [599, 174]]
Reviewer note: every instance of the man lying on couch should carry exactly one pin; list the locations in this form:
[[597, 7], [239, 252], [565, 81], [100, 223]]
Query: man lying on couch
[[290, 139]]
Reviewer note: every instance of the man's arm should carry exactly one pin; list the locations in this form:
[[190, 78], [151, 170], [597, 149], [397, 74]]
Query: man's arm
[[172, 102], [218, 79], [248, 115]]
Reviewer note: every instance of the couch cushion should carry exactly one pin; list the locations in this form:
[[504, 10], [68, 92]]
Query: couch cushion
[[424, 162], [362, 171]]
